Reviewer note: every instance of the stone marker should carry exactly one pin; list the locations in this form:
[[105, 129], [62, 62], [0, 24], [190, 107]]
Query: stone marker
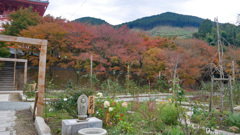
[[72, 126], [82, 107]]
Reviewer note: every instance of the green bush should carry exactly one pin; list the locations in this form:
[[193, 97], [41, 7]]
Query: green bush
[[174, 131], [234, 120], [123, 127], [169, 114], [68, 101], [111, 86]]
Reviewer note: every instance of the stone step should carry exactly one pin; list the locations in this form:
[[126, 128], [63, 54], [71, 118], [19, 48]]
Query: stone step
[[6, 72], [6, 82], [2, 129], [7, 89], [6, 69], [12, 132], [6, 77]]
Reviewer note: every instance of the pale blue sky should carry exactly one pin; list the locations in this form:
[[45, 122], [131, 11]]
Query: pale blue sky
[[120, 11]]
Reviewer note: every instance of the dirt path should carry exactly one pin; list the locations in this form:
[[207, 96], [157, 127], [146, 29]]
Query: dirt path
[[24, 125]]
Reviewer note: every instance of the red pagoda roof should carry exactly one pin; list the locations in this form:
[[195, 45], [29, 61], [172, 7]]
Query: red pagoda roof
[[39, 6]]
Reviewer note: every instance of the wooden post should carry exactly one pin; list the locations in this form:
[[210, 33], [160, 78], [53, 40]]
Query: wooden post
[[41, 79], [25, 73], [35, 105], [211, 95], [128, 78], [221, 97], [230, 93], [91, 71]]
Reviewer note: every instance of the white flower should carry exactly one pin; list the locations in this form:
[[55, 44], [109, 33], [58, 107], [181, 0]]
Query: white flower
[[50, 110], [65, 99], [99, 94], [106, 104], [125, 104], [110, 109]]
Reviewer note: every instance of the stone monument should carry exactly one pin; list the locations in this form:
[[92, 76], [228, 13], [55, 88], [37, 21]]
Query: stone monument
[[82, 104], [72, 126]]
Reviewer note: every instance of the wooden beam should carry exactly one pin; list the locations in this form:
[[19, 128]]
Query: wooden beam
[[25, 73], [10, 59], [32, 41]]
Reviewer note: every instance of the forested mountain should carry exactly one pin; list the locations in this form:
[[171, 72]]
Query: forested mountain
[[91, 20], [148, 23], [165, 19], [230, 33]]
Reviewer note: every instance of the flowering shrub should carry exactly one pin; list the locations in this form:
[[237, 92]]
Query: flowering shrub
[[110, 111], [68, 101]]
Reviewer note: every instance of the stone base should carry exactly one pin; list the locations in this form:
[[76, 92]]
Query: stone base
[[71, 126]]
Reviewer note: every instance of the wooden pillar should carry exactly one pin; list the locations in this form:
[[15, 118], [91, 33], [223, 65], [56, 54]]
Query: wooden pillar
[[25, 73], [41, 79]]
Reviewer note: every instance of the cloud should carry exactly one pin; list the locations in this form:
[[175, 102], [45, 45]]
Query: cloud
[[120, 11]]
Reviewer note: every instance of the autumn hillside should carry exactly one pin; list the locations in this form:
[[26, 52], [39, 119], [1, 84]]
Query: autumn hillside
[[120, 52]]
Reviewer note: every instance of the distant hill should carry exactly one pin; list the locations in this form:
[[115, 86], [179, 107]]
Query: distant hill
[[165, 19], [91, 20], [167, 24]]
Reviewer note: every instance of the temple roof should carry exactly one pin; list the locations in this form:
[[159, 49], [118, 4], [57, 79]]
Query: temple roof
[[38, 5]]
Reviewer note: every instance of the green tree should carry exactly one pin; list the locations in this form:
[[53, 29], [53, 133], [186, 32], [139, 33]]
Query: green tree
[[205, 27], [20, 20], [4, 51]]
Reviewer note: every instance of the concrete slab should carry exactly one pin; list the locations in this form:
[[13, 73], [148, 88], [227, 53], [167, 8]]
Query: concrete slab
[[2, 129], [71, 126], [4, 97], [7, 122], [42, 127], [5, 133]]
